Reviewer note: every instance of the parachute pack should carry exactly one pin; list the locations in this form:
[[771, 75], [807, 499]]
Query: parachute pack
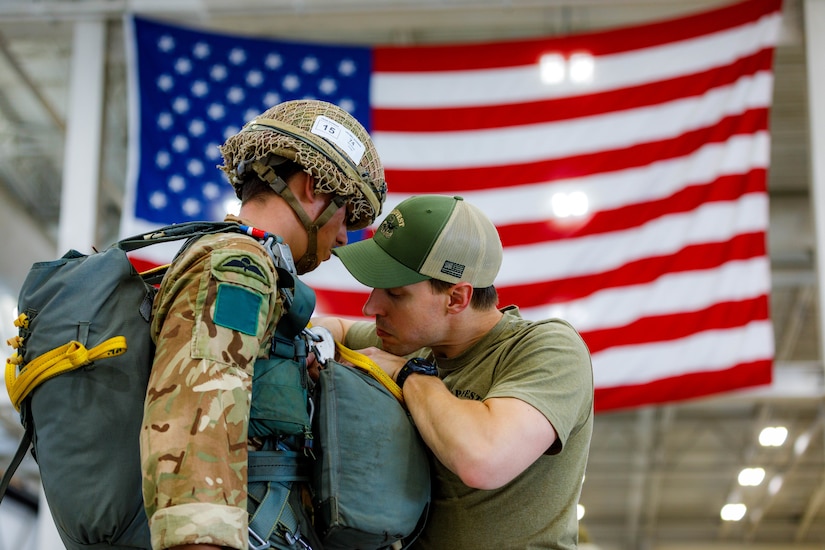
[[79, 374]]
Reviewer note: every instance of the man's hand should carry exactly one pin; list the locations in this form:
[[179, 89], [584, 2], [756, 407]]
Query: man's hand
[[322, 349], [313, 367], [388, 362]]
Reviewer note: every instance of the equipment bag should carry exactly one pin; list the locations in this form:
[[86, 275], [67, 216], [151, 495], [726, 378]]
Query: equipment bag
[[79, 377], [372, 477]]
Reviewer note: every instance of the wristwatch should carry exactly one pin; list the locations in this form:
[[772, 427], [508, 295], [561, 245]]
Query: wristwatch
[[417, 365]]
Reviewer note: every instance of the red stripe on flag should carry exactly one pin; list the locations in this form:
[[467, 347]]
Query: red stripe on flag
[[454, 119], [686, 386], [724, 188], [679, 325], [459, 180], [340, 302], [647, 270], [526, 52]]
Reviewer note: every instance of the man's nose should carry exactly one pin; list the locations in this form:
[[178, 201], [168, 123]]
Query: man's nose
[[370, 308]]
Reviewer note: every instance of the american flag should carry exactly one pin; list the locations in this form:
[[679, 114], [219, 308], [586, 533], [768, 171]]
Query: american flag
[[625, 170]]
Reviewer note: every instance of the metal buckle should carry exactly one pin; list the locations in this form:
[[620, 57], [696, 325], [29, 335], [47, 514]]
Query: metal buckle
[[263, 544], [321, 343]]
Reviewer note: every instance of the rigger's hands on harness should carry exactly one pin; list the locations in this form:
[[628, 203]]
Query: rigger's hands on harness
[[322, 349]]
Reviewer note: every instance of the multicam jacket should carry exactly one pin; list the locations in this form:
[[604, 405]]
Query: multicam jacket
[[215, 313]]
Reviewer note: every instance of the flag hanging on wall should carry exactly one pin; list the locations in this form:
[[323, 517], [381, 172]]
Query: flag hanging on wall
[[625, 170]]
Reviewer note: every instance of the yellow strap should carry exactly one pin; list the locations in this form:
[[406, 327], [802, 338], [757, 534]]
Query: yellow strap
[[364, 363], [57, 361], [11, 371], [153, 270]]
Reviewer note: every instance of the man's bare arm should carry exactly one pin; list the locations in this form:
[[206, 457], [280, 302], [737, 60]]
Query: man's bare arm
[[485, 443], [337, 326]]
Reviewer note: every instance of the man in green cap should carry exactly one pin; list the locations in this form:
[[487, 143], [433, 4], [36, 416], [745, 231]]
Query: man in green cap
[[504, 404]]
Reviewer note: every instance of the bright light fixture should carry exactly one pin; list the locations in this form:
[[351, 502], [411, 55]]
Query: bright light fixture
[[773, 436], [775, 484], [552, 68], [751, 477], [582, 67], [733, 512], [566, 205]]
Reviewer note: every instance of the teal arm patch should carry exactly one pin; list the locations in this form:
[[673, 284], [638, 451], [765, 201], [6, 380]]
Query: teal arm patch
[[237, 308]]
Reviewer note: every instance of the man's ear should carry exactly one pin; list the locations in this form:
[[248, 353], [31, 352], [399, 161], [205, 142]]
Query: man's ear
[[459, 297], [306, 185]]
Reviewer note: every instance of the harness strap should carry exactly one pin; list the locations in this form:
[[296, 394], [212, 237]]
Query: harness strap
[[25, 442], [310, 258], [65, 358], [277, 466], [278, 469]]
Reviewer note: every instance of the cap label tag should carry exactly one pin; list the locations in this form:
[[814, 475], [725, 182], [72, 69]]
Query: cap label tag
[[452, 269], [336, 133]]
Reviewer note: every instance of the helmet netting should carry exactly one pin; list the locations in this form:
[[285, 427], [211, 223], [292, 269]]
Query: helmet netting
[[258, 144]]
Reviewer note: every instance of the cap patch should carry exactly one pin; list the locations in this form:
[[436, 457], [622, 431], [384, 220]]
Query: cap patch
[[452, 269], [393, 221]]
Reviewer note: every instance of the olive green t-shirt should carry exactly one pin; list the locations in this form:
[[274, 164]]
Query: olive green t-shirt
[[543, 363]]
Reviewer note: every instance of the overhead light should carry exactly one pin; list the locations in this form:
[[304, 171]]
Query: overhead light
[[773, 436], [801, 444], [566, 205], [751, 477], [733, 512], [775, 484], [582, 67], [555, 68], [552, 68], [579, 511]]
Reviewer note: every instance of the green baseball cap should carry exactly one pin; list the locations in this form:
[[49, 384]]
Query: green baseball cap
[[427, 237]]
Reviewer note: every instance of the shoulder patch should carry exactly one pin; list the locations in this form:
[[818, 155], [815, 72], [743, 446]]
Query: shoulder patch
[[237, 308], [244, 265], [244, 268]]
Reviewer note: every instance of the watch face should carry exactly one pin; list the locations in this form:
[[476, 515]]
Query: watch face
[[417, 365], [421, 365]]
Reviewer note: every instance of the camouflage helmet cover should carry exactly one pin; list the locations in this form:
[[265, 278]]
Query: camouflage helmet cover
[[329, 143]]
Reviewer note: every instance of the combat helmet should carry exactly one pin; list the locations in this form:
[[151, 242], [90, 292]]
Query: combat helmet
[[329, 143]]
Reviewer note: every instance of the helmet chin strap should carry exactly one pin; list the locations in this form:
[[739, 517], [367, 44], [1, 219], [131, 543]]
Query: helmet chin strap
[[309, 260]]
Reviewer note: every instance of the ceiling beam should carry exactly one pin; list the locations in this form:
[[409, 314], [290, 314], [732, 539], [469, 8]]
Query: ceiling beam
[[31, 86], [641, 459], [655, 478], [800, 446], [116, 8], [817, 431]]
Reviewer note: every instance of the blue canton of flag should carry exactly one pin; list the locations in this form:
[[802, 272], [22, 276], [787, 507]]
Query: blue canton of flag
[[194, 89]]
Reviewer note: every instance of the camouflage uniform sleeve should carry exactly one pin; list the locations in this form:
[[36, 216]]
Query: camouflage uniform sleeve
[[214, 315]]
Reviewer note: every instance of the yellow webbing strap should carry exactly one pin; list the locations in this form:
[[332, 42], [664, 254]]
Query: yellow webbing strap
[[364, 363], [57, 361], [152, 270]]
